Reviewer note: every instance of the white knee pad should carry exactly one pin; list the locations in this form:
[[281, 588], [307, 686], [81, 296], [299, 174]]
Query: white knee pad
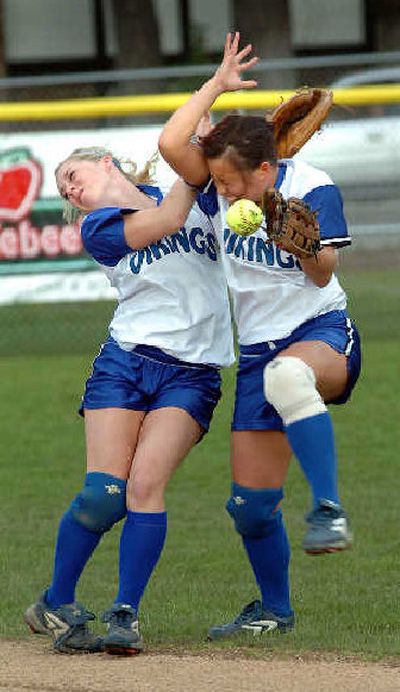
[[289, 385]]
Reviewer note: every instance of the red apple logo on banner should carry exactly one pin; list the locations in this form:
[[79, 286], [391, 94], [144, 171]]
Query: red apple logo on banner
[[20, 182]]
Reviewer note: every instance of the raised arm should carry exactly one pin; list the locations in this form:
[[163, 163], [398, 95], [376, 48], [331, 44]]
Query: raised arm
[[175, 143], [149, 225]]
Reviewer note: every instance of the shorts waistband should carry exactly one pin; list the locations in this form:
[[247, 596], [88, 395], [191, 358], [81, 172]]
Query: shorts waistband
[[272, 345], [154, 353], [261, 347]]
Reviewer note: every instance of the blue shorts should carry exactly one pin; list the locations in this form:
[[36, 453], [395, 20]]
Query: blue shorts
[[146, 379], [252, 411]]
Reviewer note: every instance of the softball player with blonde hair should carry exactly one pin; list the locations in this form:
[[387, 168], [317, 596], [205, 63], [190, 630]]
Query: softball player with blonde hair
[[152, 391]]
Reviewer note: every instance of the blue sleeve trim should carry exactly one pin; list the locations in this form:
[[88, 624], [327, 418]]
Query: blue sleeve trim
[[337, 242], [151, 191], [103, 235], [208, 200], [282, 168], [327, 202]]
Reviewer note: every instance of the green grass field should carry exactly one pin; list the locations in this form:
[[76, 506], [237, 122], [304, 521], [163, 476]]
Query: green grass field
[[346, 603]]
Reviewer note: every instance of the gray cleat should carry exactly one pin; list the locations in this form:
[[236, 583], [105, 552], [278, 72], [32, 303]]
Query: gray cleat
[[67, 625], [253, 619], [123, 636], [329, 529]]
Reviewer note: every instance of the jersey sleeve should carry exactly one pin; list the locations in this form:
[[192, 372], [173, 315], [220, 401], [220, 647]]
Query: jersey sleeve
[[208, 200], [103, 235], [327, 202]]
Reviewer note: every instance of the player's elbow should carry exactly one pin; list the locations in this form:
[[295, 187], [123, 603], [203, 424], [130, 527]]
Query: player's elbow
[[317, 275], [322, 281], [171, 153], [322, 277], [165, 144]]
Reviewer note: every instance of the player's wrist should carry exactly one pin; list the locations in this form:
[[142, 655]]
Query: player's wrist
[[216, 85]]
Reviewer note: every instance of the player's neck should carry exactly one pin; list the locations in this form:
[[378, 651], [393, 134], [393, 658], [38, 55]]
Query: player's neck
[[128, 195]]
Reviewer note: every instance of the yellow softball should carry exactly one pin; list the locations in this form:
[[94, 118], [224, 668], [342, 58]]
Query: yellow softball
[[244, 217]]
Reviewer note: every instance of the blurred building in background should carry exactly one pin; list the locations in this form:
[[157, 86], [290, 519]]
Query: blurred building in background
[[43, 36]]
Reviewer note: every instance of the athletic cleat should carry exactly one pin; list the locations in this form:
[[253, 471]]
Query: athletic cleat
[[329, 529], [67, 625], [33, 617], [123, 636], [253, 619]]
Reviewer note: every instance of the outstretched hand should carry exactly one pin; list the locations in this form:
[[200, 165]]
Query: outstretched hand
[[229, 73]]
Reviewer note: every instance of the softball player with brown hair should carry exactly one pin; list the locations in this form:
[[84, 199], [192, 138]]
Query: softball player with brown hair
[[299, 350]]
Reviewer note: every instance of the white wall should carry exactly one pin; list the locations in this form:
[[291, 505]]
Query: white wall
[[54, 30], [329, 23], [48, 29]]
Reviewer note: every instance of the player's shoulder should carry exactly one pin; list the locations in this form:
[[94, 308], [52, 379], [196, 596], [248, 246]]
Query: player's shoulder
[[97, 219], [99, 216], [300, 177]]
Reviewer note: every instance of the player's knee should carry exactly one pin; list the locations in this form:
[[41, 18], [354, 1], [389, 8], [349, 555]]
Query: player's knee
[[101, 502], [145, 488], [254, 512], [290, 386]]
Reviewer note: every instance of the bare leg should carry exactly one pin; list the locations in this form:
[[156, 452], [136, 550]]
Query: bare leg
[[165, 438]]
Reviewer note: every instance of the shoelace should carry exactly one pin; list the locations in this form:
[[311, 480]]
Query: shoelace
[[251, 608], [121, 618], [77, 617], [321, 514]]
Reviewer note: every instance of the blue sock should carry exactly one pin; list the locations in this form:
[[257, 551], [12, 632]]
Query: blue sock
[[142, 540], [269, 557], [75, 544], [313, 443]]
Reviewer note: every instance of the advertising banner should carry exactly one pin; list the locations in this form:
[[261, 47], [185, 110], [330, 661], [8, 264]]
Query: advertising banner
[[38, 249]]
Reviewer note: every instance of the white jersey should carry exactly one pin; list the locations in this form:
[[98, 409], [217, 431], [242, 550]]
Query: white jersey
[[172, 294], [270, 292]]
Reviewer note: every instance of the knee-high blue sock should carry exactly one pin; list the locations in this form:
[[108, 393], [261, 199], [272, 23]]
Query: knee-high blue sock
[[269, 557], [74, 546], [142, 540], [312, 441]]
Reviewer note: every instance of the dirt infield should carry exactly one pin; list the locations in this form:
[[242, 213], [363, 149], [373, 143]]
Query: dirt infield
[[30, 666]]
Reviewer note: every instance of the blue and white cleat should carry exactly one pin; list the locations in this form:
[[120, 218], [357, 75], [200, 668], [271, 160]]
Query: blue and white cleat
[[66, 625], [252, 620], [329, 529], [123, 636]]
